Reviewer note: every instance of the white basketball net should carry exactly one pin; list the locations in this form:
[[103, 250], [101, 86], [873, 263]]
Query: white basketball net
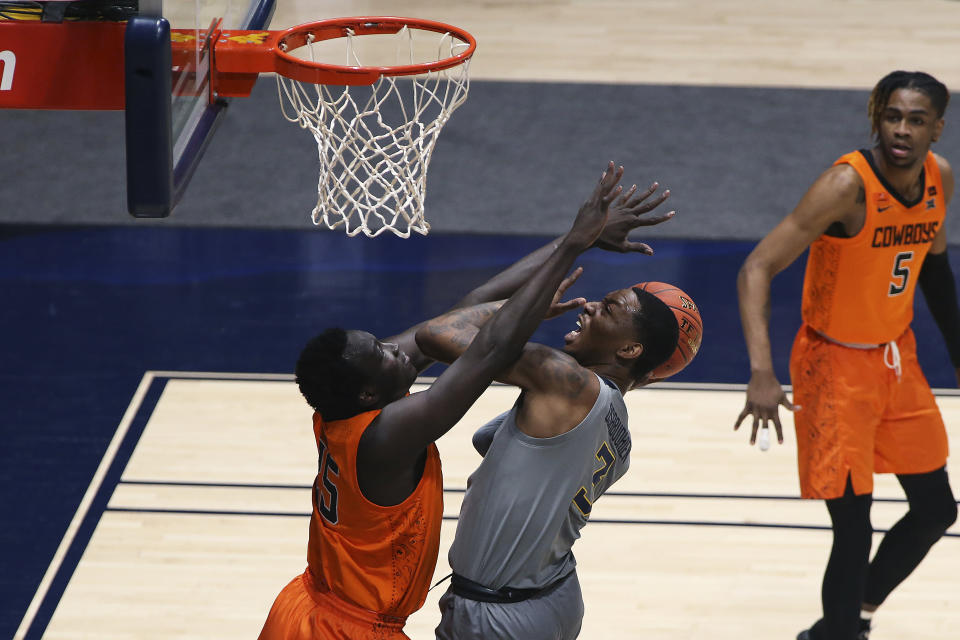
[[373, 173]]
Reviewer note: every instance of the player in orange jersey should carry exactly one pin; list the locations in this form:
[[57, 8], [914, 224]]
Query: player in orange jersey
[[874, 223], [377, 497]]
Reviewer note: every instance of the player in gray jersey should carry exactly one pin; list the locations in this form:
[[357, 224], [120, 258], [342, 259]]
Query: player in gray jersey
[[546, 461], [525, 542]]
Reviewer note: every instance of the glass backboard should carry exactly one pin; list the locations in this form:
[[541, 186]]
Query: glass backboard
[[170, 120]]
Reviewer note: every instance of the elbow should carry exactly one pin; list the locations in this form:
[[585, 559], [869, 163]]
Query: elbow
[[752, 273], [742, 276], [428, 342], [437, 341], [500, 351], [475, 297]]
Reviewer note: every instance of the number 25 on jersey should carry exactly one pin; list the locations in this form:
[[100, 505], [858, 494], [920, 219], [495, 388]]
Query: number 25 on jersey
[[325, 486]]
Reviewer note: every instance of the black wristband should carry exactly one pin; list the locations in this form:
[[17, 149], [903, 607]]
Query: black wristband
[[939, 288]]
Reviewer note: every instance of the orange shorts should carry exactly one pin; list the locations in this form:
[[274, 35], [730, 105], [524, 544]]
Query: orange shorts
[[857, 419], [302, 612]]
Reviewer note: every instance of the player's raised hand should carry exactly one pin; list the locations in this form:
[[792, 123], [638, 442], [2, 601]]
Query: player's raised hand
[[626, 214], [593, 213], [558, 307]]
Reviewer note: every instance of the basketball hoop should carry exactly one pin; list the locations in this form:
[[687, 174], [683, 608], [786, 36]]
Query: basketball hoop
[[375, 124]]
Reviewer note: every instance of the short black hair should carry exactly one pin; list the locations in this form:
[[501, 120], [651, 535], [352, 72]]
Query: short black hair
[[326, 379], [656, 329], [917, 80]]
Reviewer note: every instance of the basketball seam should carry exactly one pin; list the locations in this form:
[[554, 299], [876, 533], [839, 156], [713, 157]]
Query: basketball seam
[[686, 311], [664, 291]]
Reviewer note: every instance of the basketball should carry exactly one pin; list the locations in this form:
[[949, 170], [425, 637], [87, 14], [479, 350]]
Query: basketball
[[689, 321]]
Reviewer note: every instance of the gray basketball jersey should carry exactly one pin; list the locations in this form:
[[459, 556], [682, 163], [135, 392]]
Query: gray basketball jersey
[[527, 501]]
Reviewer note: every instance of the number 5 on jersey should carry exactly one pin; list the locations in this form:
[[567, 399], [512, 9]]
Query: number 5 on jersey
[[901, 273]]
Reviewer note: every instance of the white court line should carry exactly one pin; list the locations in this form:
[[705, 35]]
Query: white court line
[[213, 375], [84, 507], [711, 386], [678, 386]]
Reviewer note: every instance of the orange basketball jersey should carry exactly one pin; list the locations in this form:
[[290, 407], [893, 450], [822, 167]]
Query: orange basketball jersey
[[378, 558], [860, 289]]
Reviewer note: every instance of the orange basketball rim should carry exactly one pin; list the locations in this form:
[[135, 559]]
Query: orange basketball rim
[[240, 55]]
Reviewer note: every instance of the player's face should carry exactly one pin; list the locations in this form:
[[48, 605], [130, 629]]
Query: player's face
[[604, 327], [908, 125], [388, 370]]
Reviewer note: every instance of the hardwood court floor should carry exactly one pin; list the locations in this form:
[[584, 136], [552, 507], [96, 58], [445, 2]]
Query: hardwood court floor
[[701, 538], [776, 43]]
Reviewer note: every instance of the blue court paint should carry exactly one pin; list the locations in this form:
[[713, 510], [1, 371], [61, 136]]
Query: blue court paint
[[87, 310]]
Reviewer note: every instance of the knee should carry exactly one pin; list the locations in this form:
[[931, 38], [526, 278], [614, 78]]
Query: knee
[[949, 514], [932, 505], [937, 517]]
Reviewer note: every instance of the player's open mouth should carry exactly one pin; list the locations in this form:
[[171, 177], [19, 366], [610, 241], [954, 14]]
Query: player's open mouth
[[570, 337]]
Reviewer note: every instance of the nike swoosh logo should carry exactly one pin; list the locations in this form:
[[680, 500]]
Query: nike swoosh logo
[[882, 209]]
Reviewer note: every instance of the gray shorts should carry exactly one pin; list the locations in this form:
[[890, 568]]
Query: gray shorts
[[555, 614]]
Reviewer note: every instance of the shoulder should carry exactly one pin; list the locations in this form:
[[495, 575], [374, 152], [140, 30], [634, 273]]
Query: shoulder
[[946, 175], [558, 391], [942, 162], [837, 194], [553, 371], [841, 180]]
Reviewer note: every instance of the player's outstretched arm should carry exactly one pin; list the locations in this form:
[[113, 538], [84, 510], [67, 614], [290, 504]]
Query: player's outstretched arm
[[626, 213], [558, 390], [445, 338], [497, 288], [836, 196], [398, 437]]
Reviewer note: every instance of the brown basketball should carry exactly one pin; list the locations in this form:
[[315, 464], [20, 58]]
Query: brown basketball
[[689, 321]]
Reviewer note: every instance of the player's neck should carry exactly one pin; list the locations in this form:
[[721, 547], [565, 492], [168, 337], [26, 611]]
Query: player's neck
[[905, 180], [615, 374]]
